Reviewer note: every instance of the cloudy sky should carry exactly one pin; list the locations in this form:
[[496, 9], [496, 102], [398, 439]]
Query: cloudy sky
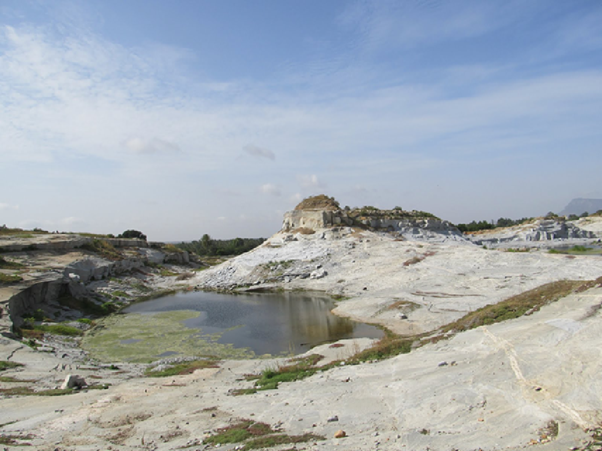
[[185, 117]]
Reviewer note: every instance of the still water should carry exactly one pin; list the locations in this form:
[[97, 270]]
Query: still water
[[265, 323]]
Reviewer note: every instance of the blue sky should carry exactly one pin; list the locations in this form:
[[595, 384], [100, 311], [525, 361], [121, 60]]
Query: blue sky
[[180, 118]]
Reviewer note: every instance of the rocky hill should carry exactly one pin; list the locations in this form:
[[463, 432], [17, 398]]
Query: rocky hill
[[580, 206], [487, 349], [323, 212]]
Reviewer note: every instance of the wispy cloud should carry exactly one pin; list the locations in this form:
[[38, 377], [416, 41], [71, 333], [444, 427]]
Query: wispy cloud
[[408, 24], [259, 152], [154, 145], [310, 181], [368, 113], [271, 189]]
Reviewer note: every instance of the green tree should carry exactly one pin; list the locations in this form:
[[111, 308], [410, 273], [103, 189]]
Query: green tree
[[132, 234]]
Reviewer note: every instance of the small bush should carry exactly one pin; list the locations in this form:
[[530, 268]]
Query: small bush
[[7, 365], [132, 234]]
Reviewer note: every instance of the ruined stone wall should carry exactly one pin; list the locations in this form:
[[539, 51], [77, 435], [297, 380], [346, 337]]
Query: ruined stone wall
[[323, 219], [313, 219]]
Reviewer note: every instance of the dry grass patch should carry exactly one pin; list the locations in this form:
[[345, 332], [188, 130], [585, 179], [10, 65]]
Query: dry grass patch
[[15, 440], [7, 279], [27, 391], [239, 432], [319, 202], [303, 231], [104, 248], [388, 346], [418, 258], [282, 439], [516, 306], [180, 369], [256, 435], [7, 264]]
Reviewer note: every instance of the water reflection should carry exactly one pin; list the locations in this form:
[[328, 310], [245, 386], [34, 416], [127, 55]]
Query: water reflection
[[265, 323]]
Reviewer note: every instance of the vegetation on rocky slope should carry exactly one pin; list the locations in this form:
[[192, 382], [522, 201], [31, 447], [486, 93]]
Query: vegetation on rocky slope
[[208, 247]]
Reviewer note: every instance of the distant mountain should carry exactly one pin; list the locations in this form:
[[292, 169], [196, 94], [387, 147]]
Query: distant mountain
[[580, 206]]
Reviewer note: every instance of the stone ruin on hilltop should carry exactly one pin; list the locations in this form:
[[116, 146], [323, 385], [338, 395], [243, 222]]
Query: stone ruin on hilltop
[[320, 212]]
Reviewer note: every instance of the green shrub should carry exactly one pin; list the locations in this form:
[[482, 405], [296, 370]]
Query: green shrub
[[183, 368], [239, 432], [4, 264], [7, 365], [59, 329], [132, 234], [87, 306], [515, 306], [10, 278], [269, 441], [300, 369]]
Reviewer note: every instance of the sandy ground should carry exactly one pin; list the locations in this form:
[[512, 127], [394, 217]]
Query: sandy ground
[[532, 381]]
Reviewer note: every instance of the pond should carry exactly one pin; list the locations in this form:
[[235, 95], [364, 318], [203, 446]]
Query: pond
[[229, 326]]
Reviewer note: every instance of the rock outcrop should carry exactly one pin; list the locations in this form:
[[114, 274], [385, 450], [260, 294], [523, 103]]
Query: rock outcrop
[[580, 206], [414, 225], [49, 267], [542, 231]]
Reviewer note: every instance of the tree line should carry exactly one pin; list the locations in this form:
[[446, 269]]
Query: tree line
[[475, 226], [208, 246]]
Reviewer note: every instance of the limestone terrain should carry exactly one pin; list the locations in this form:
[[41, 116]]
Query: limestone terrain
[[528, 382]]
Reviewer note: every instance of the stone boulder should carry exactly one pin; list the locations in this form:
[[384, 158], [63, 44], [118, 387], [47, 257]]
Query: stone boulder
[[73, 381]]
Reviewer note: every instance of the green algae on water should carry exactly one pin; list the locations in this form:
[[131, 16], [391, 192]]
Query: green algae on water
[[135, 337]]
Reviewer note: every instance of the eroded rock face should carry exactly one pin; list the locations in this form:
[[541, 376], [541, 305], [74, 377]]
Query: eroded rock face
[[94, 268], [30, 299]]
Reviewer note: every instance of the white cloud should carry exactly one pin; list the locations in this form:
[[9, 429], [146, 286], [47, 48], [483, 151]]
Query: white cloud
[[310, 181], [270, 189], [406, 24], [259, 152], [154, 145], [91, 107]]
